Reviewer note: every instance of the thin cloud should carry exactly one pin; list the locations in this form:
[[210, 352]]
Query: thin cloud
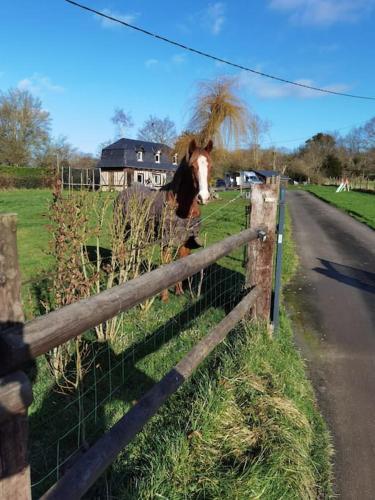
[[39, 84], [150, 63], [108, 24], [178, 59], [323, 12], [211, 19], [265, 89], [168, 64], [215, 14]]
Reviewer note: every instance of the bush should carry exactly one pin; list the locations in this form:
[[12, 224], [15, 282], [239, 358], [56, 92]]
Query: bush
[[24, 177]]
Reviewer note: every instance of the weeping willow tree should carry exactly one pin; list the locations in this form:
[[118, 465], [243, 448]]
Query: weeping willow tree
[[218, 114]]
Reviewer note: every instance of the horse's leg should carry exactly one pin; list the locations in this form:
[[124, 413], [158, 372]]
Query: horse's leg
[[183, 252], [166, 259]]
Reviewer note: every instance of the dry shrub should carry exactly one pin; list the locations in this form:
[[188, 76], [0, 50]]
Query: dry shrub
[[69, 228], [136, 241]]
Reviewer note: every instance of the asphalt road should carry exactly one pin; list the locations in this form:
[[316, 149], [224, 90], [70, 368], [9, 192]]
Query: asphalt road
[[332, 301]]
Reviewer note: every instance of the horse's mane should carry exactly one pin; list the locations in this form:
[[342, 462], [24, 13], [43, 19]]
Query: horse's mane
[[174, 185]]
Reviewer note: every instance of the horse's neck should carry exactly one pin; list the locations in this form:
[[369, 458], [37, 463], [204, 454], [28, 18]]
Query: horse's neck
[[183, 193]]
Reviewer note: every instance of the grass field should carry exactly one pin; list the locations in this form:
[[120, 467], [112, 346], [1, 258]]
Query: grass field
[[357, 204], [245, 426]]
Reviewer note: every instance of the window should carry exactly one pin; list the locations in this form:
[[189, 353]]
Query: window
[[157, 179], [157, 157], [140, 178], [139, 155], [175, 158]]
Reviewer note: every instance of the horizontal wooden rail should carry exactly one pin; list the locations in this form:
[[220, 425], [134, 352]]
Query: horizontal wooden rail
[[83, 474], [23, 343]]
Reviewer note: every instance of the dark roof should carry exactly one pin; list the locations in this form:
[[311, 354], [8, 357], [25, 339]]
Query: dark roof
[[267, 173], [136, 145], [123, 153]]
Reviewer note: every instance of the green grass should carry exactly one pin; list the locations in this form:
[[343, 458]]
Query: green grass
[[359, 205], [245, 426], [31, 207]]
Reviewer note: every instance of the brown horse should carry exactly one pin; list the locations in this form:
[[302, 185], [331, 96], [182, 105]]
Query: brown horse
[[183, 195]]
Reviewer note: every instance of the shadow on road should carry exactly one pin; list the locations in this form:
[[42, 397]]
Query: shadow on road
[[363, 280]]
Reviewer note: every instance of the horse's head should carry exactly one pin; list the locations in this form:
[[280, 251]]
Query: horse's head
[[199, 160]]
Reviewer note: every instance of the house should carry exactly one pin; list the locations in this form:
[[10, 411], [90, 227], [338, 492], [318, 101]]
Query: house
[[129, 161]]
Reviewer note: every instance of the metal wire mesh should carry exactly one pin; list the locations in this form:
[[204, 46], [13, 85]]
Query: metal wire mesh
[[148, 343]]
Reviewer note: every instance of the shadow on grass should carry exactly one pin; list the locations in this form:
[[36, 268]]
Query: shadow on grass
[[63, 426]]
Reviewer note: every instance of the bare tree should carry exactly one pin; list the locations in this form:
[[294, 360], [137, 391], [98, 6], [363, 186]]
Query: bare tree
[[122, 121], [257, 129], [158, 130], [24, 127], [369, 134], [59, 153]]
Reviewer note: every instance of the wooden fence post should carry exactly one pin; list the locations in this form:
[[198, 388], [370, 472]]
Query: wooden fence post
[[262, 213], [15, 389]]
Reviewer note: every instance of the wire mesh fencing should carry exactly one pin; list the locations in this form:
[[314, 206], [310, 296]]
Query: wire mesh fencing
[[103, 378]]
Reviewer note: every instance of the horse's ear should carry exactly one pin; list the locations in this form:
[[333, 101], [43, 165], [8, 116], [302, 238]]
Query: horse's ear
[[210, 146], [192, 147]]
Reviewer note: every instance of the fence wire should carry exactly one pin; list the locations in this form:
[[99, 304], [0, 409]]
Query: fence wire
[[149, 341]]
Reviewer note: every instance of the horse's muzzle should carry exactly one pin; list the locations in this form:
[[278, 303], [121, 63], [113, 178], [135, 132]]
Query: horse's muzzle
[[202, 200]]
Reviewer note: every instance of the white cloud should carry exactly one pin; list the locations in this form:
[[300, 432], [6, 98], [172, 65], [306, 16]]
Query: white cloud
[[167, 64], [210, 19], [39, 84], [266, 89], [323, 12], [178, 58], [215, 15], [107, 23], [151, 63]]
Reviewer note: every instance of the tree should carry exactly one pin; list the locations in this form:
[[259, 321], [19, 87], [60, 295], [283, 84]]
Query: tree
[[218, 113], [369, 134], [316, 151], [332, 166], [122, 121], [257, 128], [182, 142], [158, 130], [24, 127]]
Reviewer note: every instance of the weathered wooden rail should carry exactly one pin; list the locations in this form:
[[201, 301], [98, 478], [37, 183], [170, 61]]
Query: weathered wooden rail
[[21, 343]]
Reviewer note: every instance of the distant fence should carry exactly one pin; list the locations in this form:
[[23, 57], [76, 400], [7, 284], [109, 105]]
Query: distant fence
[[22, 343], [80, 178], [358, 183]]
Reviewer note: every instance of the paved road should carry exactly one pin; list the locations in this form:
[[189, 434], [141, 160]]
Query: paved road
[[335, 293]]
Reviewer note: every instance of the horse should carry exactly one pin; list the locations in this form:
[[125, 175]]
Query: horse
[[182, 196]]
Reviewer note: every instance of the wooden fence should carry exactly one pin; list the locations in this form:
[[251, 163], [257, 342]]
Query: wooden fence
[[22, 342], [361, 183]]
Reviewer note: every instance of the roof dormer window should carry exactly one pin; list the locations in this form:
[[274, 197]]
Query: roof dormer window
[[140, 155], [175, 158], [157, 156]]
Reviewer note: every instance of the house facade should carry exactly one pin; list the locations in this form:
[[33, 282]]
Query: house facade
[[129, 161]]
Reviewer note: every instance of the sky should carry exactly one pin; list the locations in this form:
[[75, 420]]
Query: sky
[[82, 67]]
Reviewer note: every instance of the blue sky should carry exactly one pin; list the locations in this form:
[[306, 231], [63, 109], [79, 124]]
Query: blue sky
[[82, 67]]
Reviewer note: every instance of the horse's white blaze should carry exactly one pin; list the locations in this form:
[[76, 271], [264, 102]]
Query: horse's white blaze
[[202, 179]]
